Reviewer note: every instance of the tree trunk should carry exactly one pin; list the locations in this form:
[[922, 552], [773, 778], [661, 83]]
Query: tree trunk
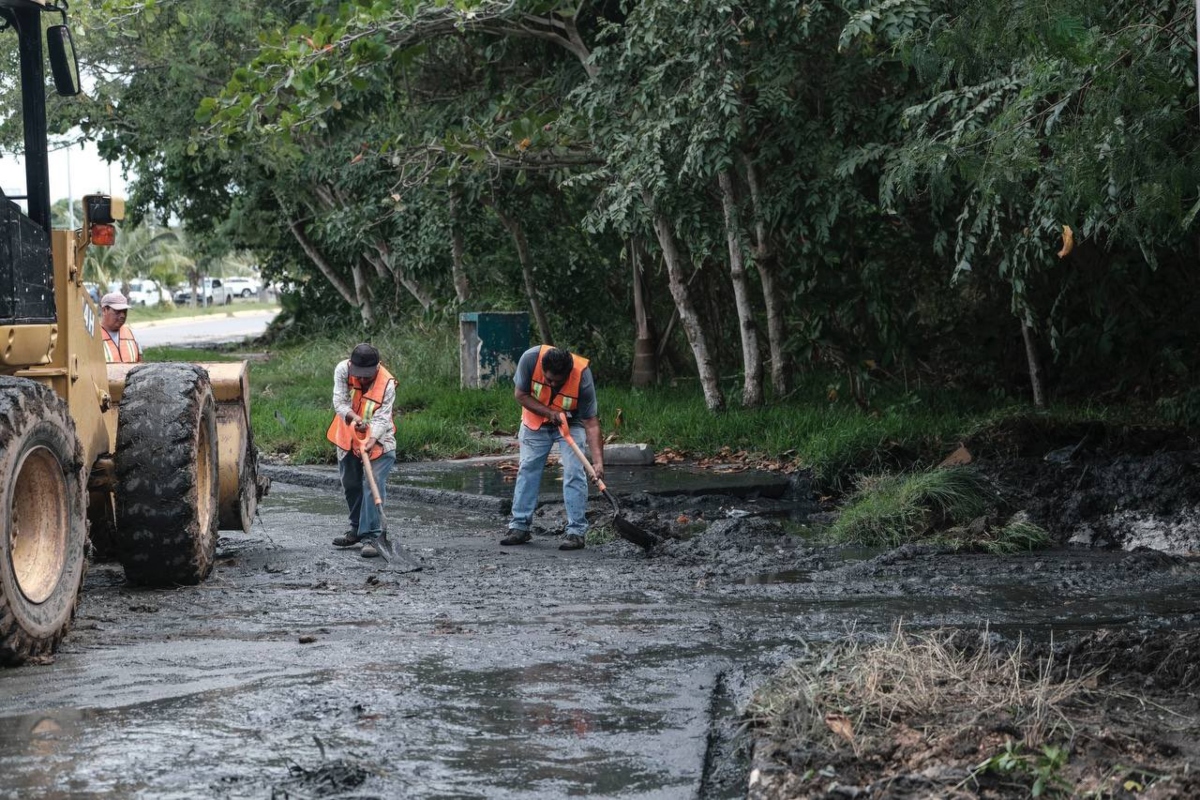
[[766, 264], [462, 287], [348, 293], [362, 288], [1035, 366], [709, 381], [382, 261], [645, 361], [748, 330], [535, 306]]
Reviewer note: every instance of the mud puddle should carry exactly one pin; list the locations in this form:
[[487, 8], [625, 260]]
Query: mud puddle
[[301, 670]]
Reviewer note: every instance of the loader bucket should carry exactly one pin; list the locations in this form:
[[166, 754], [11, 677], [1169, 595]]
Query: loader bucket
[[237, 459]]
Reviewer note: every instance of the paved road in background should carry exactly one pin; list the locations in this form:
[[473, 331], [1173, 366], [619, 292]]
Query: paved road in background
[[233, 326]]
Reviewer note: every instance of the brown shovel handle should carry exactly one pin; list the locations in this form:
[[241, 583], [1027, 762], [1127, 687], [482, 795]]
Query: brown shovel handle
[[366, 460], [587, 465]]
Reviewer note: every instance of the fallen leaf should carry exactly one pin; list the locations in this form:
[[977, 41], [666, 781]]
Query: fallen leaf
[[839, 724], [959, 458]]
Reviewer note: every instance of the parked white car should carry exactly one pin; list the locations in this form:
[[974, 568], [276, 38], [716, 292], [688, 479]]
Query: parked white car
[[143, 292], [243, 287], [212, 290]]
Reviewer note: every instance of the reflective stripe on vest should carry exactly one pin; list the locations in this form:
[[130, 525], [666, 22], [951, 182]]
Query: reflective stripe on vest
[[125, 351], [567, 398], [342, 433]]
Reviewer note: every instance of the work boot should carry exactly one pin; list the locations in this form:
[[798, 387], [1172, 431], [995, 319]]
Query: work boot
[[516, 537], [347, 539], [571, 542], [370, 550]]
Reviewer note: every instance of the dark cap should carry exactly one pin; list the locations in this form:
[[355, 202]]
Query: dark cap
[[364, 361]]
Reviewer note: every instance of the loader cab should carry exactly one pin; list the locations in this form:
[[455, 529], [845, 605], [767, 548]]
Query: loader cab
[[49, 325], [26, 262]]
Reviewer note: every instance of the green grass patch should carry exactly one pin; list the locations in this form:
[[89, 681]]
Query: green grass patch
[[165, 311], [291, 397], [893, 509], [1015, 536]]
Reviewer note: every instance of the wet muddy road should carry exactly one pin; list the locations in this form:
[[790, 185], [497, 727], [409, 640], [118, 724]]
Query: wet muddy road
[[301, 671]]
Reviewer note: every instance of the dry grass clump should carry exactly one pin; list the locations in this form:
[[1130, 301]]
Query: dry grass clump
[[914, 698]]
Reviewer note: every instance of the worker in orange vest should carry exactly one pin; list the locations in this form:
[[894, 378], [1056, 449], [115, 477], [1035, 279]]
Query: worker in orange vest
[[364, 393], [553, 387], [119, 344]]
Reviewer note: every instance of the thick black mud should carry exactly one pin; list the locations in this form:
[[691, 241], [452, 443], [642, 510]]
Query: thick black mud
[[301, 670]]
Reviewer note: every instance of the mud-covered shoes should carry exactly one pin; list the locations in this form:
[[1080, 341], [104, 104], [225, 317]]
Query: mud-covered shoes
[[370, 550], [347, 539], [571, 542], [516, 537]]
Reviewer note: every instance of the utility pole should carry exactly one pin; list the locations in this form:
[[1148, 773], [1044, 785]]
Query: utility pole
[[71, 194]]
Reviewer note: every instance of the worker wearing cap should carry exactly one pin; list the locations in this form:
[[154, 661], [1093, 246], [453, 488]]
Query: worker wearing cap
[[119, 344], [364, 393]]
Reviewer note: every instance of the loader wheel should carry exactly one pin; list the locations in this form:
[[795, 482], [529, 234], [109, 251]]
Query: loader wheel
[[43, 523], [166, 475]]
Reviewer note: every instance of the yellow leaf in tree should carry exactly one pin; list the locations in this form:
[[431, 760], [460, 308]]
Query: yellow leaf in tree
[[1068, 242]]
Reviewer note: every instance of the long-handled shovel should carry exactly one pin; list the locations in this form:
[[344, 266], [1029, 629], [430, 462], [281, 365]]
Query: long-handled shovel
[[626, 529], [398, 558]]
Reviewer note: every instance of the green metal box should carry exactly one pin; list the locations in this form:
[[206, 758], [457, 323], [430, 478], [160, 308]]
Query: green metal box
[[489, 344]]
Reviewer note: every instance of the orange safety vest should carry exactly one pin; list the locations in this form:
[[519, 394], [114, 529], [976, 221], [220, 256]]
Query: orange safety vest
[[342, 433], [125, 350], [567, 398]]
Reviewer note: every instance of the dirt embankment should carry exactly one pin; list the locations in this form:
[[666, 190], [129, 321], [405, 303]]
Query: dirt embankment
[[1109, 706], [1096, 485]]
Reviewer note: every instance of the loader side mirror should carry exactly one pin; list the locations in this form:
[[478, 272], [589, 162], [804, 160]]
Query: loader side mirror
[[63, 63]]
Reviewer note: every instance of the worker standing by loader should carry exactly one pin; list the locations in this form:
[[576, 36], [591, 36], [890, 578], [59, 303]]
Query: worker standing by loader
[[554, 387], [364, 393], [119, 344]]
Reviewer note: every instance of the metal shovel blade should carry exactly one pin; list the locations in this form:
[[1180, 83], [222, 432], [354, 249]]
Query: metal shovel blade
[[398, 558], [627, 530], [632, 533]]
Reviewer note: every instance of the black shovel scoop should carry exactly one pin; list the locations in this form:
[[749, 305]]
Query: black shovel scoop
[[626, 529]]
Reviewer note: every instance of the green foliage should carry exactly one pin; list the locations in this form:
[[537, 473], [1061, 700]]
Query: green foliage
[[893, 509], [902, 168], [1018, 536], [1182, 409], [1043, 766]]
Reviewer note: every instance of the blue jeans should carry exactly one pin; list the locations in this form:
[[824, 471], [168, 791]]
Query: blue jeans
[[535, 446], [364, 518]]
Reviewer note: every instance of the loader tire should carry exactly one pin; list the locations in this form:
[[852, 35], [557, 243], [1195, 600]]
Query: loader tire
[[167, 475], [43, 520]]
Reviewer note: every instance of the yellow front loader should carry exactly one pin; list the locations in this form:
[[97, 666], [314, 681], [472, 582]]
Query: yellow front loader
[[157, 456]]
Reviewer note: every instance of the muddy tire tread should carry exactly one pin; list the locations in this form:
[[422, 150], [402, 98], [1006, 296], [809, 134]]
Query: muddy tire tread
[[158, 537], [24, 405]]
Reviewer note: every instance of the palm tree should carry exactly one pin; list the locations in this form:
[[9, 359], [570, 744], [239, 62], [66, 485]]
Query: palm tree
[[160, 255]]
